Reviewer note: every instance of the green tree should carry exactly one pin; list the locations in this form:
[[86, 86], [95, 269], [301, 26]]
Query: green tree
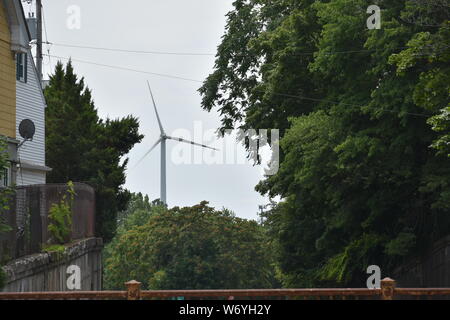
[[60, 217], [4, 200], [261, 64], [441, 123], [82, 147], [4, 191], [188, 248], [137, 212], [358, 111]]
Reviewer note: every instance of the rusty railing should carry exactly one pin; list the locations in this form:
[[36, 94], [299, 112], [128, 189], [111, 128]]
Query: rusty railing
[[388, 291]]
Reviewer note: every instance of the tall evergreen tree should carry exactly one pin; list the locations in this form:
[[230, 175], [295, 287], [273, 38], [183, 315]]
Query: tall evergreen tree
[[84, 148]]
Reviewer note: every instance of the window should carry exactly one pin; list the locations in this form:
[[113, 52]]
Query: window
[[5, 180], [21, 67]]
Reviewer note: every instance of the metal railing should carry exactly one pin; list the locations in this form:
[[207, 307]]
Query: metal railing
[[388, 291]]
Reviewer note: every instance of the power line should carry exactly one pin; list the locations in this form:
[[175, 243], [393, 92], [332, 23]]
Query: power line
[[199, 81], [45, 26], [133, 51], [39, 39], [46, 37], [126, 69], [206, 54], [344, 103]]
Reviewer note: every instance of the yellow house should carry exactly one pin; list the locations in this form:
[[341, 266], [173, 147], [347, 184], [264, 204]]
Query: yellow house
[[7, 78], [13, 40]]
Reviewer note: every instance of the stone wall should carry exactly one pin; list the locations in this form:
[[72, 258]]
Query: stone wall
[[48, 271]]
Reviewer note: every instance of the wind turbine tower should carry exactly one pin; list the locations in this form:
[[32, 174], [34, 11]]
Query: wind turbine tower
[[162, 139]]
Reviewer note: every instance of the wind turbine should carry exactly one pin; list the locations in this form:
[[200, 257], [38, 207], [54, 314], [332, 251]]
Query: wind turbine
[[162, 139]]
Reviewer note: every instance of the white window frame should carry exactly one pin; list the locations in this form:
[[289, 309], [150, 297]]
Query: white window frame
[[5, 180]]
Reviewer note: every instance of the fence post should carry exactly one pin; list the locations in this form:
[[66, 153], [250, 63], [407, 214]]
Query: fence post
[[133, 290], [387, 289]]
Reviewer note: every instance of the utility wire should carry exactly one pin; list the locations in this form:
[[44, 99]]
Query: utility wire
[[346, 104], [132, 51], [45, 27], [205, 54], [199, 81], [46, 37], [125, 69]]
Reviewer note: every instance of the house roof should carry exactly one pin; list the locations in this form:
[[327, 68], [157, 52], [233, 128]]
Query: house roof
[[18, 25], [19, 4], [23, 23]]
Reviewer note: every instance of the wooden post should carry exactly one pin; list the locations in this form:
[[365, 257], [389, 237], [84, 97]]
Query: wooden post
[[387, 289], [133, 290]]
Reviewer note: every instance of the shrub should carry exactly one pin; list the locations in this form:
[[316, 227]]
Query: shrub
[[60, 215]]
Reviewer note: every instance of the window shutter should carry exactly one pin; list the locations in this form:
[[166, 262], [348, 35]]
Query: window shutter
[[25, 67], [18, 57]]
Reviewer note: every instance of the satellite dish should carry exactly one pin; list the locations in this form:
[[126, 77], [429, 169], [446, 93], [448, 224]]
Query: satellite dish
[[27, 129]]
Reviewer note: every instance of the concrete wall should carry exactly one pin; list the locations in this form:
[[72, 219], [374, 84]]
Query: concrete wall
[[47, 272]]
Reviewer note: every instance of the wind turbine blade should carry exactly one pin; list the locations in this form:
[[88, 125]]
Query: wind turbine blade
[[156, 110], [148, 152], [192, 142]]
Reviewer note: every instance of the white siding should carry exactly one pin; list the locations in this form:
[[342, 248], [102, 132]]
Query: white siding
[[31, 105], [27, 177]]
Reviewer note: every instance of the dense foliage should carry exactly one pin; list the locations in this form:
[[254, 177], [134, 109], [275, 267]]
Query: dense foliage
[[60, 217], [3, 201], [364, 117], [81, 147], [187, 248]]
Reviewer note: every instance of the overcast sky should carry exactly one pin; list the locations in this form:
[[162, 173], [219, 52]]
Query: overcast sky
[[155, 25]]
